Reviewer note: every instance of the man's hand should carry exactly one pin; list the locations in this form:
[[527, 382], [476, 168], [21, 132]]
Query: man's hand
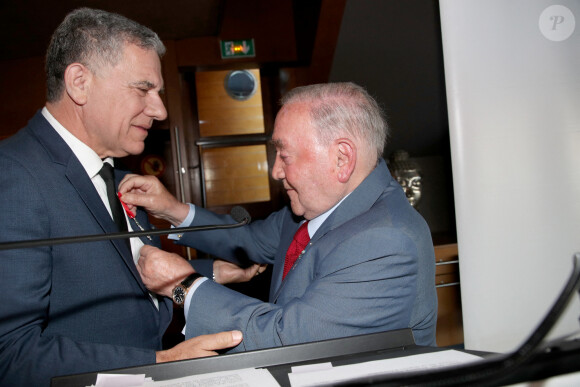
[[200, 346], [162, 271], [148, 192], [228, 273]]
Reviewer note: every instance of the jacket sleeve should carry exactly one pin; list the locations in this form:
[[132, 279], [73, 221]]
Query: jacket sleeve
[[344, 293], [256, 242]]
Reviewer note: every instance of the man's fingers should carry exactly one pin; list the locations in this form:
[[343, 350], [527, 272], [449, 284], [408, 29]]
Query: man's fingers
[[124, 182], [132, 182], [220, 340], [200, 346], [137, 200], [259, 269]]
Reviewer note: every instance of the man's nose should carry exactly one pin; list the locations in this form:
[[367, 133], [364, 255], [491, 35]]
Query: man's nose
[[277, 170], [155, 108]]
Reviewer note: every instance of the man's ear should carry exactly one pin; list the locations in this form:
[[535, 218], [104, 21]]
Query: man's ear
[[346, 160], [77, 79]]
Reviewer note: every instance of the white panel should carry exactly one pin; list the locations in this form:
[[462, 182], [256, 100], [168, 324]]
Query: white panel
[[514, 114]]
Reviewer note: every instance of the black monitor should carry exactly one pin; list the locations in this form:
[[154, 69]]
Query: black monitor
[[375, 343]]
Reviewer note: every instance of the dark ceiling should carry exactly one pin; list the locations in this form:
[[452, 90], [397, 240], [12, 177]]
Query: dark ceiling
[[28, 24]]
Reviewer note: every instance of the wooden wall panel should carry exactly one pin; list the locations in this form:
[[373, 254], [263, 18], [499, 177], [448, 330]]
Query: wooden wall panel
[[234, 175], [220, 114], [449, 313], [449, 319]]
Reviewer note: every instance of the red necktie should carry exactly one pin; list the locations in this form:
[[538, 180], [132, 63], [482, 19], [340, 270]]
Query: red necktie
[[301, 239]]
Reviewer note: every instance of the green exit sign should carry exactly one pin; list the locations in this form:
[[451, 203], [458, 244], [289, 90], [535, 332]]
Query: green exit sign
[[237, 48]]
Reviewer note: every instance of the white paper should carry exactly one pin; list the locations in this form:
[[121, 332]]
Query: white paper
[[120, 380], [411, 363], [310, 367], [244, 377]]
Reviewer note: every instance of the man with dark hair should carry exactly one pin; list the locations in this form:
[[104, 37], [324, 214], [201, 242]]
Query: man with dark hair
[[76, 308]]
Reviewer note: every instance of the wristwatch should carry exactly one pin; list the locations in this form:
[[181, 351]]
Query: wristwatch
[[180, 291]]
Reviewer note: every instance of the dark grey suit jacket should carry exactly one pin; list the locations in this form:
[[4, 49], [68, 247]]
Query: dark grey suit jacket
[[370, 268], [67, 308]]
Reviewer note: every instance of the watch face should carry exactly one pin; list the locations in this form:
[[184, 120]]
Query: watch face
[[179, 295]]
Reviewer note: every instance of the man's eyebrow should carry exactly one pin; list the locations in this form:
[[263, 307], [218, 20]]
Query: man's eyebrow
[[143, 85], [277, 143]]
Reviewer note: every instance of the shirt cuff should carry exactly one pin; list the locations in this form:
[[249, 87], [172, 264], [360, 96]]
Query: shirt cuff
[[186, 222], [190, 292]]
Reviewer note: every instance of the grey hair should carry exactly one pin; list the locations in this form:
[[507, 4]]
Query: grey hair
[[339, 109], [94, 38]]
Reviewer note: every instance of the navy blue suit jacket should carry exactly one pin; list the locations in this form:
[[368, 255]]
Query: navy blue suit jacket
[[66, 308], [370, 268]]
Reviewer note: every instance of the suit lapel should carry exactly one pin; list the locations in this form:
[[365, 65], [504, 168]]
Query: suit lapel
[[78, 178], [277, 283], [155, 240], [61, 154], [140, 216]]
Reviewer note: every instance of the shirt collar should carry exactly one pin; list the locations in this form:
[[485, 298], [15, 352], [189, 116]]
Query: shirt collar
[[315, 223], [88, 158]]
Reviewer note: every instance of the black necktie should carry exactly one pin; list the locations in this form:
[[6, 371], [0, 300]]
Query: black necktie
[[118, 216]]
